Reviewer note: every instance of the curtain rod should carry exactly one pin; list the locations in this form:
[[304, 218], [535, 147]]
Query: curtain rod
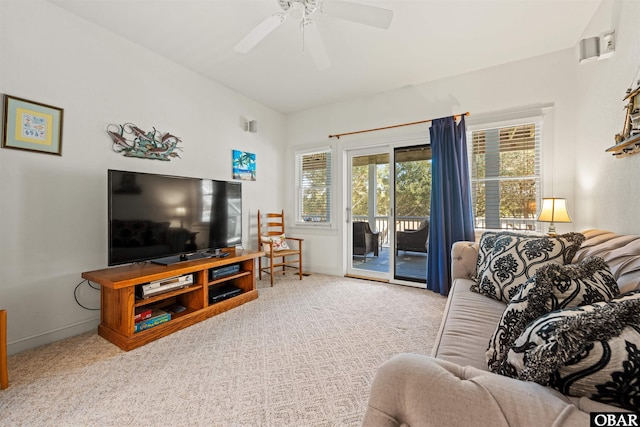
[[338, 135]]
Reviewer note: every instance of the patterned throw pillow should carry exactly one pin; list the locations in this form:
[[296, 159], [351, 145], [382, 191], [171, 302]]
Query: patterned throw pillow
[[516, 258], [485, 247], [278, 243], [573, 285], [553, 287], [591, 351]]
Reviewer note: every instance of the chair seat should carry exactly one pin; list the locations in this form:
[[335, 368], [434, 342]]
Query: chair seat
[[284, 252]]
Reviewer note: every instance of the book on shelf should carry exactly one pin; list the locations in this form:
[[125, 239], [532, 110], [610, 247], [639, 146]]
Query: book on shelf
[[142, 313], [174, 309], [157, 317]]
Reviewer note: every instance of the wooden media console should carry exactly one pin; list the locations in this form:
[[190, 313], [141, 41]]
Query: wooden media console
[[120, 285]]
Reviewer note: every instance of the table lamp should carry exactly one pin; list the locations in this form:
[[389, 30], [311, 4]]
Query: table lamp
[[553, 210]]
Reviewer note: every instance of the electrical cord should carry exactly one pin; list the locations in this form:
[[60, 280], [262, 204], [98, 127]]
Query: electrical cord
[[97, 288], [75, 294]]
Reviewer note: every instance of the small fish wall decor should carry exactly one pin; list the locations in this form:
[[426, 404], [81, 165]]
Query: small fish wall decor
[[132, 141]]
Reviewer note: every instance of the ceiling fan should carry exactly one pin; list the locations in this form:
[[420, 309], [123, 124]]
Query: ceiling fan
[[303, 10]]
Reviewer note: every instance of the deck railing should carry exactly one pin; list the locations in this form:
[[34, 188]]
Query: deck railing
[[517, 224], [413, 223], [382, 225]]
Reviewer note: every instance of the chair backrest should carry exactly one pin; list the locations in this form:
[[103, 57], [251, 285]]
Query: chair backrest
[[361, 228], [274, 225], [358, 231]]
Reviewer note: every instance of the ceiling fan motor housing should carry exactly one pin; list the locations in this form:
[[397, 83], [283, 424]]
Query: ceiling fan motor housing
[[310, 6]]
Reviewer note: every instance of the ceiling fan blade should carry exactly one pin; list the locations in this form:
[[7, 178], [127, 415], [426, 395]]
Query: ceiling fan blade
[[315, 46], [361, 13], [260, 32]]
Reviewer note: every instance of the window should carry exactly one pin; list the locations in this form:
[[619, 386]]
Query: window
[[505, 176], [313, 187]]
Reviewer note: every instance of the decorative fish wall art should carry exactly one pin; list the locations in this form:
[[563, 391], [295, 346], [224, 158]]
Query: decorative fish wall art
[[132, 141]]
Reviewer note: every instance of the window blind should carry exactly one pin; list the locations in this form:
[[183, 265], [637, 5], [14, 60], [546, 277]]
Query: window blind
[[313, 180], [505, 176]]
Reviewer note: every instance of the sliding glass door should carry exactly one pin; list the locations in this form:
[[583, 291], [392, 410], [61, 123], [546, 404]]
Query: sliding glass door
[[387, 213], [412, 201]]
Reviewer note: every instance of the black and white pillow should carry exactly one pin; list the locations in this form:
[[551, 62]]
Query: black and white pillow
[[573, 285], [515, 318], [485, 247], [591, 351], [553, 287], [515, 259], [485, 251]]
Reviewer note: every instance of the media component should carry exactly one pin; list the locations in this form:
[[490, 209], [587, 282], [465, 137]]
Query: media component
[[164, 285]]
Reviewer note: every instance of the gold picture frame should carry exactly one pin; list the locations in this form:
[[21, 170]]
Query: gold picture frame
[[32, 126]]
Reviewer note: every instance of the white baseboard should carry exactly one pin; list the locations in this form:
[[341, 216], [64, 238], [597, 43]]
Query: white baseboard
[[319, 270], [48, 337]]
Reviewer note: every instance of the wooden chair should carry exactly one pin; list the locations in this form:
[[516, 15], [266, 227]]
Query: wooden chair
[[269, 239], [4, 373]]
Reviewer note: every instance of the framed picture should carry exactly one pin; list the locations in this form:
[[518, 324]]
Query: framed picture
[[32, 126], [244, 165]]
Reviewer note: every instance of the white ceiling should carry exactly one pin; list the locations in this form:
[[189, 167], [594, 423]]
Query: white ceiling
[[427, 40]]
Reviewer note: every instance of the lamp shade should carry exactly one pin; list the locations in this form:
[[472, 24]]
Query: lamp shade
[[554, 210]]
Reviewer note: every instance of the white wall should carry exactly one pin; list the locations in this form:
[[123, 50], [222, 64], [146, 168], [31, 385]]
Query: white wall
[[540, 81], [53, 212], [607, 188]]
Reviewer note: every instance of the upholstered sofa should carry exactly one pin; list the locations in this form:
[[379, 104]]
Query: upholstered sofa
[[454, 387]]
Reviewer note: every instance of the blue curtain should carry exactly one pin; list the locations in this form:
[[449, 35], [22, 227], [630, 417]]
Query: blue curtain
[[451, 213]]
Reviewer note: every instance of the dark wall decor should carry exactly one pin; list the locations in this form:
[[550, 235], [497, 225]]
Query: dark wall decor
[[628, 141], [131, 141]]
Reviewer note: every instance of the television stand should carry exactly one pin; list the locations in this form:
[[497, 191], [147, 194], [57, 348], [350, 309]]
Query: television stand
[[118, 302]]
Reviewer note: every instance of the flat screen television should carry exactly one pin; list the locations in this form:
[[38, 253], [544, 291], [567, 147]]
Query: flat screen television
[[167, 219]]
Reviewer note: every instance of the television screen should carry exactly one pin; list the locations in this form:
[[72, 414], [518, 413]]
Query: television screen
[[158, 216]]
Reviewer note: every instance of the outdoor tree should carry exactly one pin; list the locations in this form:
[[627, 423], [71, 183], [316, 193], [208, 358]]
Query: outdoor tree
[[413, 189]]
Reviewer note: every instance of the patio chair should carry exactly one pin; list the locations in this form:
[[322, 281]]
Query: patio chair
[[365, 241], [413, 240]]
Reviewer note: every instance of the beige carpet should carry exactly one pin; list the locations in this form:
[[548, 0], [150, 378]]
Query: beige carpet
[[303, 354]]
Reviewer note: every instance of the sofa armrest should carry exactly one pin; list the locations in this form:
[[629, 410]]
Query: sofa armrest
[[464, 257], [417, 390]]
